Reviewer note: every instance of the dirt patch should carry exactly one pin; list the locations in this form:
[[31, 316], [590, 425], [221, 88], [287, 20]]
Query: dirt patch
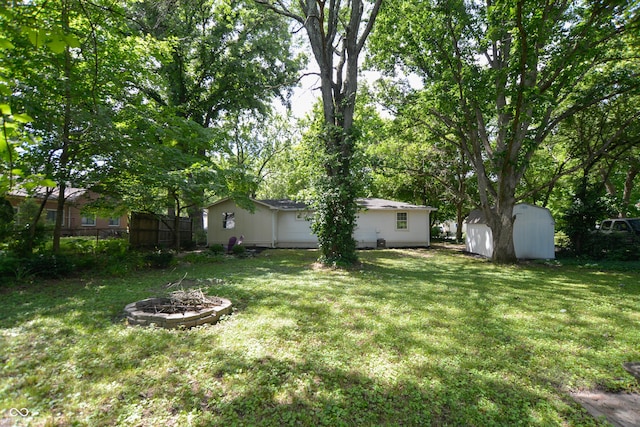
[[620, 409]]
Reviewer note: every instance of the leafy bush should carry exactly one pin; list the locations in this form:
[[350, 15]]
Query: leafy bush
[[26, 239], [614, 247], [239, 250], [6, 219], [10, 265], [114, 247], [49, 265], [159, 259], [216, 249]]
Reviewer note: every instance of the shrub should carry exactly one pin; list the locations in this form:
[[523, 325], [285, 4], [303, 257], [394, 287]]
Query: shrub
[[239, 250], [612, 247], [49, 265], [113, 247], [159, 259], [10, 265], [26, 239], [217, 249]]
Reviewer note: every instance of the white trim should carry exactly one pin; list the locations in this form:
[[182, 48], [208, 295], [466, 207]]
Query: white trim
[[406, 221]]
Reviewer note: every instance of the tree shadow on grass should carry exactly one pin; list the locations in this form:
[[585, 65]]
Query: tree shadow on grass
[[265, 391], [420, 343]]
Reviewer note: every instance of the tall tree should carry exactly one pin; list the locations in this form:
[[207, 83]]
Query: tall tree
[[418, 159], [214, 60], [62, 80], [506, 73], [255, 144], [337, 33]]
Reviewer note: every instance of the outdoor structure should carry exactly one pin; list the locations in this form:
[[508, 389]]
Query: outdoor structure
[[74, 221], [286, 224], [533, 232], [150, 231]]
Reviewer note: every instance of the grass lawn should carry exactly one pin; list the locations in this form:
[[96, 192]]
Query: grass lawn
[[412, 337]]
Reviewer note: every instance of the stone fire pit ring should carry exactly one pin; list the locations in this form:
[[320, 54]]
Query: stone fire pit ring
[[140, 313]]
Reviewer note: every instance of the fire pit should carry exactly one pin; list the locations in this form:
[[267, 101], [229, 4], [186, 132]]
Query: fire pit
[[182, 309]]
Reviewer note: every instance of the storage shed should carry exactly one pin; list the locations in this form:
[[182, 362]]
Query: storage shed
[[285, 224], [533, 233]]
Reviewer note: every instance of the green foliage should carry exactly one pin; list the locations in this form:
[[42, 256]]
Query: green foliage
[[334, 222], [197, 112], [48, 265], [501, 78], [43, 265], [6, 218], [579, 220], [11, 266], [239, 251], [216, 249], [159, 259], [335, 206], [613, 247]]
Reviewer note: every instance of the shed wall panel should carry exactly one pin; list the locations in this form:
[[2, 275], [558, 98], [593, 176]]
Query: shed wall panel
[[533, 234], [479, 239]]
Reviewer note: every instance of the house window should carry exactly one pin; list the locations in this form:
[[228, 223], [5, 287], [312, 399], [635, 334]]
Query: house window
[[51, 216], [88, 221], [114, 222], [402, 222], [228, 220]]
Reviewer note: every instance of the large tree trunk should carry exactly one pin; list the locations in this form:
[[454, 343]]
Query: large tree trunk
[[335, 31], [633, 171], [459, 221], [57, 229], [501, 224]]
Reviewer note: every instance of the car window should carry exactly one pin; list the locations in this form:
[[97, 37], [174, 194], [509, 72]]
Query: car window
[[606, 225], [620, 226], [635, 224]]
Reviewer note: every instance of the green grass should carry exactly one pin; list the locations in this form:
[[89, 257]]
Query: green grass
[[412, 337]]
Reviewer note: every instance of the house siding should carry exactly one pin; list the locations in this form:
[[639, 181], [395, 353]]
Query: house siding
[[373, 225], [293, 232], [255, 226], [286, 227]]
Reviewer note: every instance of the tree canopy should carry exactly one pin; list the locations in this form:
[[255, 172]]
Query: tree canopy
[[168, 104], [502, 76]]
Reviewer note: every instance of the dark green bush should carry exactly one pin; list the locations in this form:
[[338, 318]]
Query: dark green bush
[[239, 250], [613, 247], [49, 265], [113, 247], [26, 239], [216, 249], [159, 259], [10, 265]]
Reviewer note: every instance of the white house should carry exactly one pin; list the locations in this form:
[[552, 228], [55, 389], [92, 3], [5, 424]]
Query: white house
[[533, 232], [286, 224]]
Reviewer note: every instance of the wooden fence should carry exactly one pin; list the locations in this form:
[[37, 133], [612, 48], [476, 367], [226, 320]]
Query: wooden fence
[[150, 230]]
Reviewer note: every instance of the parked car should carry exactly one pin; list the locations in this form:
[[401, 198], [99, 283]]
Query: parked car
[[620, 225]]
